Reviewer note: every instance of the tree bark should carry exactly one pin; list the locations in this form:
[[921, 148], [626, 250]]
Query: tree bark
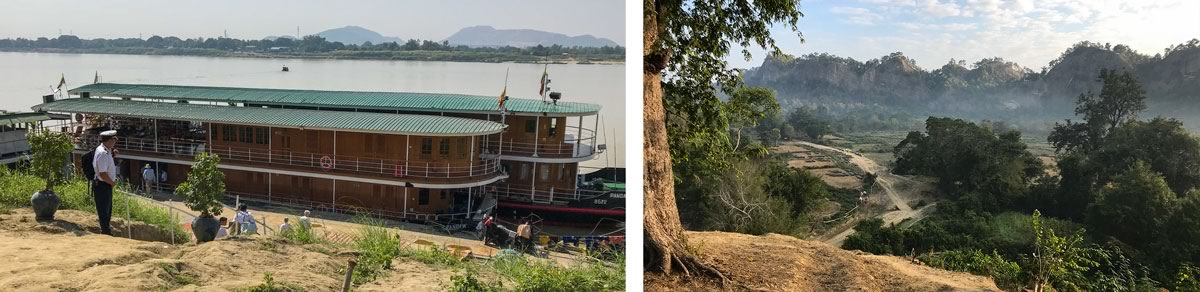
[[665, 243]]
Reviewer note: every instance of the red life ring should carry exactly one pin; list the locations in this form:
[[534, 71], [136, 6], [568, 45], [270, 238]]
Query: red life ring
[[326, 162]]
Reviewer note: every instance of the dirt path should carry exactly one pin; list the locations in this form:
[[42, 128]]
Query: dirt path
[[896, 208]]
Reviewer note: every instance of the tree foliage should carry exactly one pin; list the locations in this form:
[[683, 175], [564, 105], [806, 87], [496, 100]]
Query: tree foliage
[[1119, 101], [204, 186], [970, 161], [50, 153], [1059, 261]]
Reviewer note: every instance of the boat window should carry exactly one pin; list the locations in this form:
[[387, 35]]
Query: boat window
[[423, 198], [553, 128], [229, 133], [261, 136], [444, 148], [545, 172], [562, 171], [247, 134], [531, 126], [426, 147]]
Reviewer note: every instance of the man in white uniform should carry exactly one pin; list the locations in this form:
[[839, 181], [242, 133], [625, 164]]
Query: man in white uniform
[[106, 178]]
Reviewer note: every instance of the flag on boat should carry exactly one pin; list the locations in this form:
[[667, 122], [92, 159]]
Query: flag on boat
[[503, 97], [545, 80], [62, 81]]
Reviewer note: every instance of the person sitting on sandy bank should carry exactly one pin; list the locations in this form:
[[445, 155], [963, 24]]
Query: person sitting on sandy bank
[[223, 230], [285, 228]]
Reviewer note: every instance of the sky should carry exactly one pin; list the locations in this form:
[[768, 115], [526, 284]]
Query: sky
[[256, 19], [1028, 32]]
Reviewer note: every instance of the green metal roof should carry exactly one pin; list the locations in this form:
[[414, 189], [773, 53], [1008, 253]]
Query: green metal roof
[[406, 101], [8, 119], [428, 125]]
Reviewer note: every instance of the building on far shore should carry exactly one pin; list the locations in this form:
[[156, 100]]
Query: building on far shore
[[445, 158]]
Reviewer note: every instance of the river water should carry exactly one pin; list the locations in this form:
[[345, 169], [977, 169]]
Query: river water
[[25, 77]]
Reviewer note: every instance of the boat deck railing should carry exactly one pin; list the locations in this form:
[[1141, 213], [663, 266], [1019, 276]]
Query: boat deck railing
[[374, 167], [570, 147]]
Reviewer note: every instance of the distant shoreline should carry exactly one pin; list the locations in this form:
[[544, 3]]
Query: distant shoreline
[[434, 56]]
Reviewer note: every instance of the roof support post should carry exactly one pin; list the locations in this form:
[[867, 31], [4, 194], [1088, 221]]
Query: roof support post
[[404, 212], [270, 136], [594, 128], [155, 121], [537, 127], [407, 150], [270, 176], [533, 184], [578, 138], [471, 169], [334, 195], [334, 151], [470, 192]]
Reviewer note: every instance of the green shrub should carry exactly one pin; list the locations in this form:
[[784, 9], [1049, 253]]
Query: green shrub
[[269, 285], [204, 186], [376, 248], [469, 282], [1006, 274], [535, 275]]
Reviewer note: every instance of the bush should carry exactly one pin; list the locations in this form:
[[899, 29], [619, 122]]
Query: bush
[[547, 276], [469, 282], [376, 248], [204, 186], [1006, 274]]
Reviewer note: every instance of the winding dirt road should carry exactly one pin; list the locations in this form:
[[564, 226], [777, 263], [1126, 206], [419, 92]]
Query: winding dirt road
[[885, 180]]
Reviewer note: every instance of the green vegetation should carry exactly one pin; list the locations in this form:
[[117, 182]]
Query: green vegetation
[[269, 285], [1125, 207], [376, 248], [725, 178], [1004, 272], [15, 187], [50, 152], [313, 47], [205, 185]]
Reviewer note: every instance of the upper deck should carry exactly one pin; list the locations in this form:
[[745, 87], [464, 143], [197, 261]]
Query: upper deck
[[351, 100]]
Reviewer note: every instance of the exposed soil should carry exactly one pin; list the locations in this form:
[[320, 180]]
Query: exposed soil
[[783, 263], [67, 254]]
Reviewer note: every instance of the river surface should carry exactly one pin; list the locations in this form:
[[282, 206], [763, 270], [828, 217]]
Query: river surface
[[25, 77]]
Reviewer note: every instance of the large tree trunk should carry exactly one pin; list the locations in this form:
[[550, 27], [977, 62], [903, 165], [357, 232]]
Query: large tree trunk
[[665, 245]]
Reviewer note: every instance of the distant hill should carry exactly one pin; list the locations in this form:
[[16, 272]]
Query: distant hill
[[487, 36], [989, 88], [356, 35]]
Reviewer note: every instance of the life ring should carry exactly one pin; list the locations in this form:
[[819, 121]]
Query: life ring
[[326, 162]]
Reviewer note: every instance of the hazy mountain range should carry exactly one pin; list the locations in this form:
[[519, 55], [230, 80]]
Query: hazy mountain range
[[989, 88], [475, 36], [486, 36]]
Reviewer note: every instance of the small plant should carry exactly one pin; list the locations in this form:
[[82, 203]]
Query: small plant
[[469, 282], [50, 151], [204, 186], [269, 285]]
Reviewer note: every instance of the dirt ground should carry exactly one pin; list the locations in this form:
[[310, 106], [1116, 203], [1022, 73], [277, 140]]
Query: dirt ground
[[1050, 163], [804, 157], [66, 255], [783, 263]]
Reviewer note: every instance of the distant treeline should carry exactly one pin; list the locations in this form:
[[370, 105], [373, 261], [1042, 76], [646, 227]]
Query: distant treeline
[[312, 46]]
